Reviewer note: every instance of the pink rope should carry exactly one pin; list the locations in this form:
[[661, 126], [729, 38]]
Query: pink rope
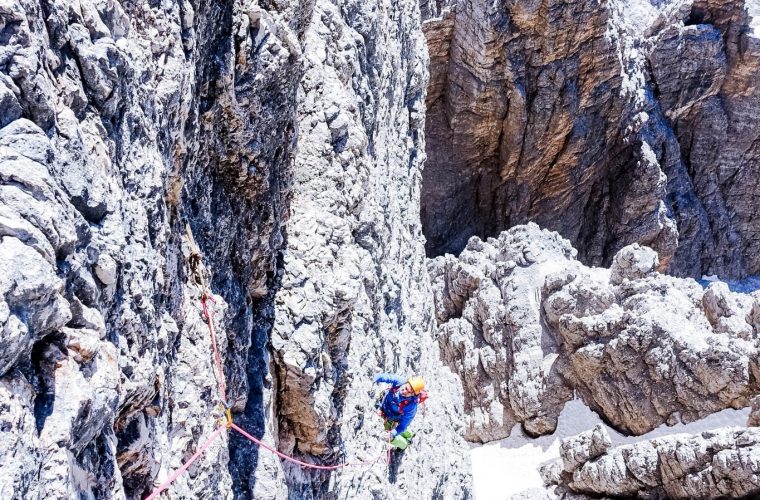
[[229, 424], [186, 465], [217, 358], [306, 464]]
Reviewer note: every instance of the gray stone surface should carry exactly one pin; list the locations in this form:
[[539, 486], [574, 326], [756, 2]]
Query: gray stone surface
[[652, 349], [577, 450], [716, 464], [354, 297], [492, 335], [124, 123], [613, 123], [525, 326], [289, 138]]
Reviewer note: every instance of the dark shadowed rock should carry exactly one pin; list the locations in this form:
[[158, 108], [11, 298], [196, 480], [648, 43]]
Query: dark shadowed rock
[[610, 122]]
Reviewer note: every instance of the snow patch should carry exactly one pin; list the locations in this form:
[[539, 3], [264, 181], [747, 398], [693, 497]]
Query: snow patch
[[509, 467], [753, 9]]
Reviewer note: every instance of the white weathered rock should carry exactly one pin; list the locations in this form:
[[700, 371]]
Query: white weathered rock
[[633, 262], [105, 269], [584, 447], [652, 349], [353, 298], [491, 332], [641, 348], [123, 123], [720, 464]]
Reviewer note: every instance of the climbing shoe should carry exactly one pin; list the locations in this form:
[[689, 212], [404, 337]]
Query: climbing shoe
[[403, 440]]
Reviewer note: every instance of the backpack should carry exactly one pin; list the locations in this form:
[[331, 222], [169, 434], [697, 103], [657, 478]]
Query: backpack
[[421, 398]]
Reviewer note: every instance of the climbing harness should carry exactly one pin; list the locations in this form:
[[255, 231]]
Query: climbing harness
[[422, 396], [228, 423]]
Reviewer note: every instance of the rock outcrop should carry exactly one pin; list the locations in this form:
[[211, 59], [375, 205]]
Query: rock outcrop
[[719, 464], [643, 348], [491, 332], [610, 122], [122, 124], [525, 325], [353, 299]]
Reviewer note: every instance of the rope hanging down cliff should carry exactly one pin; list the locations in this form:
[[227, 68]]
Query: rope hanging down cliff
[[195, 264]]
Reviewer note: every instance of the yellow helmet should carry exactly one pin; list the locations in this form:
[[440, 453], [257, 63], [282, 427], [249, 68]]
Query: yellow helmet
[[417, 383]]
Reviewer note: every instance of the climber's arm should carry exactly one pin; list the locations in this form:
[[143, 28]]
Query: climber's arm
[[406, 419], [390, 378]]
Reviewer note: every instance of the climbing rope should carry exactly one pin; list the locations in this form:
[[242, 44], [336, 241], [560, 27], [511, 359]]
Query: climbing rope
[[187, 464], [306, 464], [229, 424], [220, 371]]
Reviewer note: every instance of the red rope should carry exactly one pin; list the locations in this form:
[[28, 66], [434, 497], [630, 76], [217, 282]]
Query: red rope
[[231, 425], [306, 464], [186, 465], [217, 358]]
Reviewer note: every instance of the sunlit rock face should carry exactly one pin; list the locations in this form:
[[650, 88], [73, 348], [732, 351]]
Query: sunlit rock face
[[610, 122], [714, 464], [354, 298], [126, 127], [123, 125], [527, 326]]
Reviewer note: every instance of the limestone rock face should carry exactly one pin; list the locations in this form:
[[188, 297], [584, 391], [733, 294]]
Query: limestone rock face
[[610, 122], [121, 124], [525, 325], [491, 332], [124, 125], [652, 349], [577, 450], [719, 464], [354, 296]]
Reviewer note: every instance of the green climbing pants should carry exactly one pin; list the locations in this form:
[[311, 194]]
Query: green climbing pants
[[402, 440]]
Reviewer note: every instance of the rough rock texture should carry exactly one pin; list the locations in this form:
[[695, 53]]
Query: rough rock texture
[[643, 348], [491, 333], [629, 121], [577, 450], [525, 325], [754, 416], [717, 464], [124, 123], [354, 298]]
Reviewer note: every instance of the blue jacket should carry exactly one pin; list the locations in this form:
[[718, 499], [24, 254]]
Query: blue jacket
[[396, 407]]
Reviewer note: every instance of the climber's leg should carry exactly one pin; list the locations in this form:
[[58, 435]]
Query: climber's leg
[[400, 442]]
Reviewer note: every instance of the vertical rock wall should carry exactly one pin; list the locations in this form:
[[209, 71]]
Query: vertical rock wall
[[121, 124], [610, 122], [354, 294]]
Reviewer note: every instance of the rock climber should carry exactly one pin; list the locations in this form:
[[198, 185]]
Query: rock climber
[[399, 405]]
